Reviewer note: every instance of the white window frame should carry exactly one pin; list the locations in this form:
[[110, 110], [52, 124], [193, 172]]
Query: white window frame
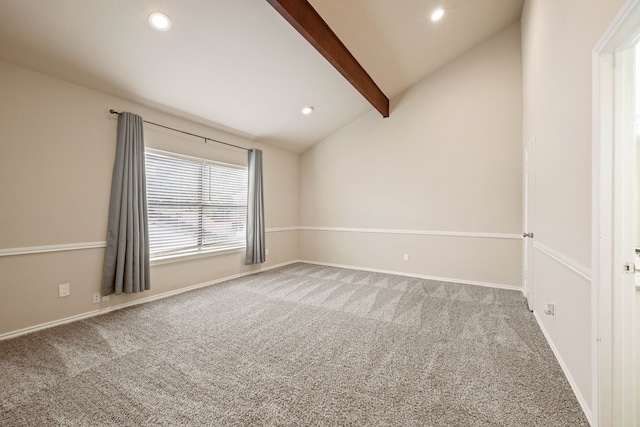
[[200, 250]]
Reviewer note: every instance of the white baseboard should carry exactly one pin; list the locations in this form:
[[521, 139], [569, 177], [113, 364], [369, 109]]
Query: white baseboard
[[98, 312], [576, 391], [418, 276]]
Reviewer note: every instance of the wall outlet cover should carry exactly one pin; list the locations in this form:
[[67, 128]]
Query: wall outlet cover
[[63, 290], [550, 309]]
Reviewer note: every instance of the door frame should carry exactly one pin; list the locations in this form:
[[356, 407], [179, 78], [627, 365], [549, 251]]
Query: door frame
[[611, 319], [528, 184]]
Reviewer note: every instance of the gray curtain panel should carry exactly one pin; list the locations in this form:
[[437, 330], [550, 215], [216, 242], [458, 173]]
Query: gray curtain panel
[[255, 211], [126, 260]]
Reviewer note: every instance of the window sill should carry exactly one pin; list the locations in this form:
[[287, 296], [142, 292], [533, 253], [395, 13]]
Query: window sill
[[170, 259]]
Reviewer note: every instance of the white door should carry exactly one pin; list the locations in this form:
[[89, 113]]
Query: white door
[[632, 285], [626, 362], [616, 309], [528, 234]]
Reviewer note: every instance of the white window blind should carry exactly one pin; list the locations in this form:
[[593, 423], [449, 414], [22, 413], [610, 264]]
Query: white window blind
[[194, 205]]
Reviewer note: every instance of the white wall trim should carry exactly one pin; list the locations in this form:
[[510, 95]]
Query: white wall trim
[[418, 276], [163, 295], [576, 390], [89, 245], [416, 232], [572, 265], [598, 97], [281, 229], [51, 248], [613, 36]]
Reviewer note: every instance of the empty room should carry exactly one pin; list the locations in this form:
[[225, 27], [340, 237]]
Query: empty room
[[322, 212]]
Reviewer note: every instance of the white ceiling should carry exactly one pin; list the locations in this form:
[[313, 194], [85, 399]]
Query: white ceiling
[[237, 64]]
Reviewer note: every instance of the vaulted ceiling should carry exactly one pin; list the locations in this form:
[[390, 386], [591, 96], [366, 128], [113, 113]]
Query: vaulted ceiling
[[237, 64]]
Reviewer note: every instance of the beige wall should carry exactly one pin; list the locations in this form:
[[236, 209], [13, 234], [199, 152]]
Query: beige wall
[[557, 42], [57, 146], [448, 160]]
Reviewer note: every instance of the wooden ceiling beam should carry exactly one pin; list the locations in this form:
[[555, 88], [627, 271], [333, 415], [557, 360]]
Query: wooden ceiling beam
[[304, 18]]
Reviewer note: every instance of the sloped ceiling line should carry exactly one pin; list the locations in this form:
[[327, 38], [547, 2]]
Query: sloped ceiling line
[[304, 18]]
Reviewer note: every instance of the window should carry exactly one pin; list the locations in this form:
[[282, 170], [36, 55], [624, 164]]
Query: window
[[194, 205]]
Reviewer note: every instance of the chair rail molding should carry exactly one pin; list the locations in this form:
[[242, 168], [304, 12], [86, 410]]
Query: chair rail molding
[[51, 248], [31, 250], [415, 232], [572, 265]]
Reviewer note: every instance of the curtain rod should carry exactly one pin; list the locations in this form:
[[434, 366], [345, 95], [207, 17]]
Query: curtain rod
[[188, 133]]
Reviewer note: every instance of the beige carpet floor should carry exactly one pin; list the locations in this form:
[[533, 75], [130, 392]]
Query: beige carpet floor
[[295, 346]]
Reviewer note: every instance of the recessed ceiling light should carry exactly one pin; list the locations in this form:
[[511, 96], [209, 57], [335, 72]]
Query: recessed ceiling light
[[160, 21], [307, 110], [437, 14]]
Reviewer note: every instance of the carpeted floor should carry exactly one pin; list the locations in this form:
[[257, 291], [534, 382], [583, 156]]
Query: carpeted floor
[[299, 345]]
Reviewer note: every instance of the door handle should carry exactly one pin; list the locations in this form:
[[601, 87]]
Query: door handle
[[527, 235]]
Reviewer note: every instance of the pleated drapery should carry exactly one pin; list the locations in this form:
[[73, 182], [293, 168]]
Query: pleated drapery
[[126, 260], [255, 210]]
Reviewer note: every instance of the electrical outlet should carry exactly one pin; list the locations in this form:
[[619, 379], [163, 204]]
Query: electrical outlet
[[63, 290], [405, 257], [550, 309], [96, 297]]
